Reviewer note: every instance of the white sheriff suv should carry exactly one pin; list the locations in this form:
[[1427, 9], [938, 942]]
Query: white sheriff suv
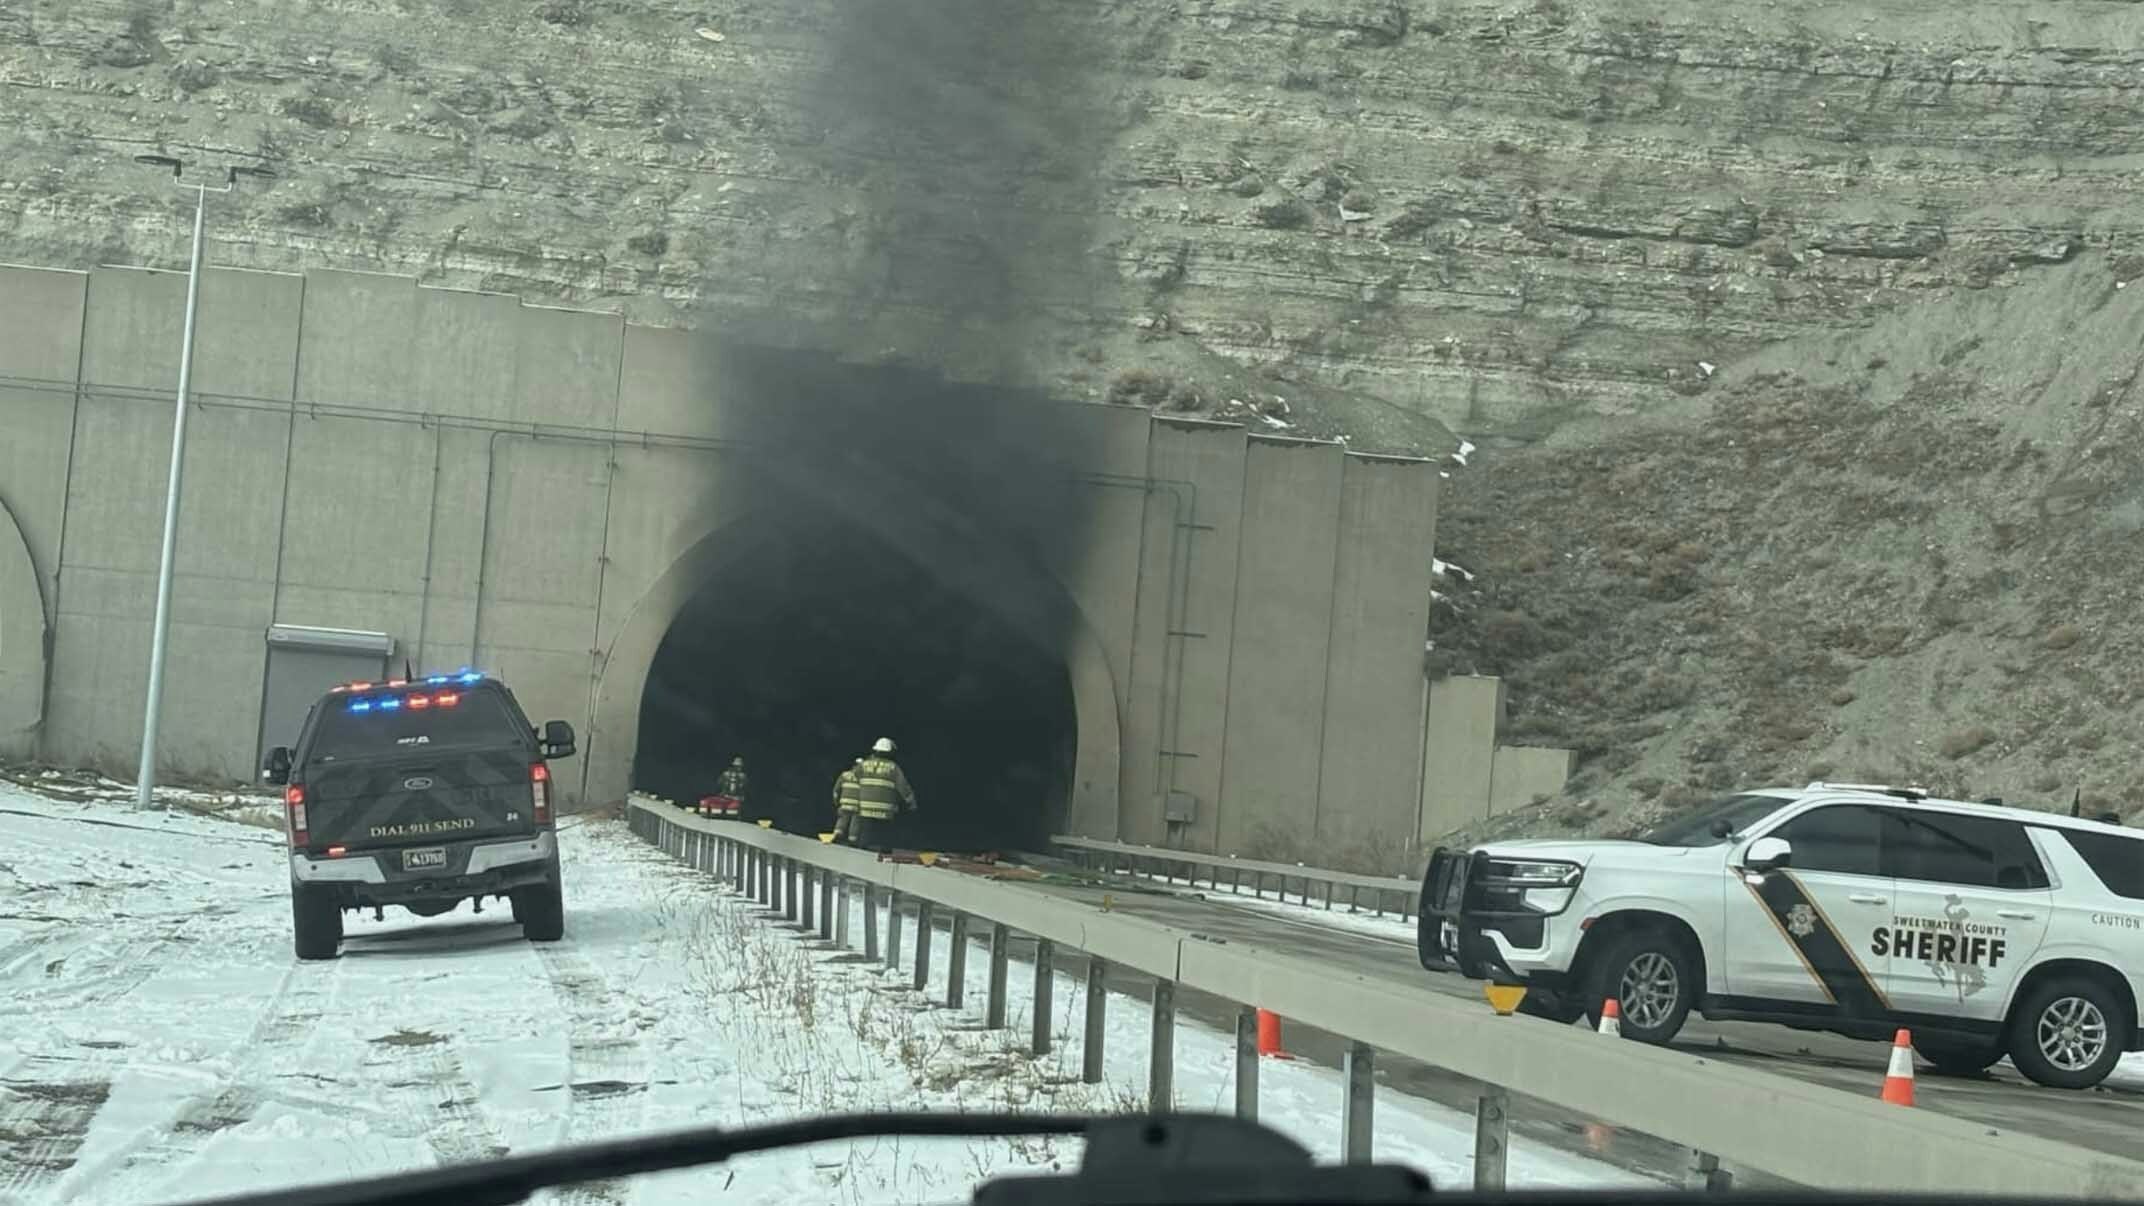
[[1857, 909]]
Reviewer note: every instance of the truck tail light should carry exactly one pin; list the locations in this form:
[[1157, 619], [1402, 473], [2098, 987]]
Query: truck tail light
[[540, 788], [294, 801]]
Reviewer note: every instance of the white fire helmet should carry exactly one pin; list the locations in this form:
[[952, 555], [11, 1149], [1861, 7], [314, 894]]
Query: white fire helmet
[[883, 745]]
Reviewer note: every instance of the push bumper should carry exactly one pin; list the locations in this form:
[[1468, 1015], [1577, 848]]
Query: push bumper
[[483, 868], [1506, 945]]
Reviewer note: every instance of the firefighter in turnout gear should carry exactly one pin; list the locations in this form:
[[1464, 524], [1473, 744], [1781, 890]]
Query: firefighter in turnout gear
[[882, 791], [733, 781], [847, 796]]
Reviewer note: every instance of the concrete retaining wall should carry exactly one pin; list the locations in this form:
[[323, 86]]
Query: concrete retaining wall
[[538, 491]]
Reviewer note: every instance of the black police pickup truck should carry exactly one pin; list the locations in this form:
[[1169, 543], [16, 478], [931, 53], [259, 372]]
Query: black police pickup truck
[[421, 793]]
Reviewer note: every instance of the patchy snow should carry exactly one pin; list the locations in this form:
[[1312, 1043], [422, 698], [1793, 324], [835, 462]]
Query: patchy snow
[[1466, 449], [158, 1041], [1447, 569], [1280, 424]]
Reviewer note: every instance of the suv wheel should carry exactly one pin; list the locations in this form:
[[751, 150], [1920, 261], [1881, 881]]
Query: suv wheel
[[1954, 1058], [2068, 1033], [1653, 979], [541, 910], [316, 922]]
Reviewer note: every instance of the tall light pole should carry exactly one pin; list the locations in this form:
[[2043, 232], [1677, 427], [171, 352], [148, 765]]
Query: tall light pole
[[145, 788]]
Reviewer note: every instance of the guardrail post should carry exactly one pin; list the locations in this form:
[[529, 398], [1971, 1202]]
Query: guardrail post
[[1706, 1174], [923, 944], [1161, 1056], [1492, 1132], [1045, 980], [893, 928], [1358, 1069], [826, 906], [956, 963], [1247, 1063], [807, 898], [870, 920], [1000, 940], [1090, 1053], [841, 910]]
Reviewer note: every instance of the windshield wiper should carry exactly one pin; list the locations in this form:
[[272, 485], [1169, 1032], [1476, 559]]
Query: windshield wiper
[[1178, 1158]]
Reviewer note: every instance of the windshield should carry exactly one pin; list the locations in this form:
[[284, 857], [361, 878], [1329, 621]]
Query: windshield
[[1714, 823], [1145, 476], [367, 728]]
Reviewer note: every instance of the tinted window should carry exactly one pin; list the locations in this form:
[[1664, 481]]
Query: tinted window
[[1947, 848], [1846, 838], [481, 718], [1715, 822], [2117, 861]]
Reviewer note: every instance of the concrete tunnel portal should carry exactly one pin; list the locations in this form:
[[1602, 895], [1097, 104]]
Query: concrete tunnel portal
[[817, 639], [887, 580]]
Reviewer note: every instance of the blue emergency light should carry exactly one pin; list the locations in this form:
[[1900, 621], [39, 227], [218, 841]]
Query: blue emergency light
[[390, 704], [360, 705]]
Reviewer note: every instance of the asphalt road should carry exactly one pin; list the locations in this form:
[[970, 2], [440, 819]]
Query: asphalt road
[[2105, 1119]]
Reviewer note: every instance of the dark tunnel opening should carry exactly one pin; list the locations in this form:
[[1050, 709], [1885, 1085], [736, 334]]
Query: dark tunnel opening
[[880, 571]]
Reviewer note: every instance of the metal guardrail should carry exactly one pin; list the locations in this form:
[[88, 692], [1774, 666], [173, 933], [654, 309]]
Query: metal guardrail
[[1387, 894], [1750, 1118]]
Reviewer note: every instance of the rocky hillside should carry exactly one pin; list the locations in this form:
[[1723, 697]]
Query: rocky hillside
[[1908, 555], [1792, 335], [1496, 215]]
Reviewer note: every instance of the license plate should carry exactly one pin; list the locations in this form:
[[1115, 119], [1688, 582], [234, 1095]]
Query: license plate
[[430, 856], [1448, 938]]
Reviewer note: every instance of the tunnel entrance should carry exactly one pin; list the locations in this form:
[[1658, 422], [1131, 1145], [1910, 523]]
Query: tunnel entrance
[[816, 636]]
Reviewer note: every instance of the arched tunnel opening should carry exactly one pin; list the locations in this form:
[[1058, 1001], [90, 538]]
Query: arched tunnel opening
[[879, 572]]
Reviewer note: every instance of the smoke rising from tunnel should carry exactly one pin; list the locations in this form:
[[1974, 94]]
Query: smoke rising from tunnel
[[895, 577]]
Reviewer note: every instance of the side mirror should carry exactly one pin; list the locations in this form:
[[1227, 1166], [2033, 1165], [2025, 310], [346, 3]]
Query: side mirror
[[1767, 854], [275, 768], [557, 739]]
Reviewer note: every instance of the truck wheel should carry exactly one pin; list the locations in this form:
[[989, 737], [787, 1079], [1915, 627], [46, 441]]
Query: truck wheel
[[316, 922], [1954, 1058], [541, 910], [1653, 979], [2068, 1033]]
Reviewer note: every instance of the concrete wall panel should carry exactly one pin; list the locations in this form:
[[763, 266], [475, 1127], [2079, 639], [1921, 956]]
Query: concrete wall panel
[[464, 356], [1185, 705], [669, 382], [22, 644], [1459, 755], [566, 367], [40, 354], [1283, 626], [356, 528], [1370, 784], [1522, 772], [361, 329]]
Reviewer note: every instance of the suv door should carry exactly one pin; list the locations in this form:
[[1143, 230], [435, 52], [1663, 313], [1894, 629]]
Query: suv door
[[1972, 905], [1799, 935]]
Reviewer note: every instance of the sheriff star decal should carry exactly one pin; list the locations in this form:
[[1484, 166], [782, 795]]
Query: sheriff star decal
[[1801, 921]]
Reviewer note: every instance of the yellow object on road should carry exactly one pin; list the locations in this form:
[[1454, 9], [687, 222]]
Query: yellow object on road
[[828, 838], [1504, 997], [766, 824], [928, 858]]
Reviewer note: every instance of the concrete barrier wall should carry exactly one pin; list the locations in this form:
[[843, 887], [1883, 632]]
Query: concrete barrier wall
[[1277, 665], [1185, 705], [539, 491], [22, 643], [1370, 776], [40, 355], [1459, 755], [1522, 773]]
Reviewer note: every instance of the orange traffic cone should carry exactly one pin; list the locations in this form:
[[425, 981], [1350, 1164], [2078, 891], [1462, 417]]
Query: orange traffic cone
[[1612, 1018], [1898, 1082], [1269, 1036]]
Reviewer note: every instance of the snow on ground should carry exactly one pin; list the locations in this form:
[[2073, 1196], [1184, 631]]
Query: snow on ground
[[159, 1042]]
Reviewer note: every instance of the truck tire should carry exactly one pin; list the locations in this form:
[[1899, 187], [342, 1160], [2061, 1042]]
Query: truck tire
[[2069, 1032], [315, 921], [541, 910], [1652, 976], [1952, 1057]]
